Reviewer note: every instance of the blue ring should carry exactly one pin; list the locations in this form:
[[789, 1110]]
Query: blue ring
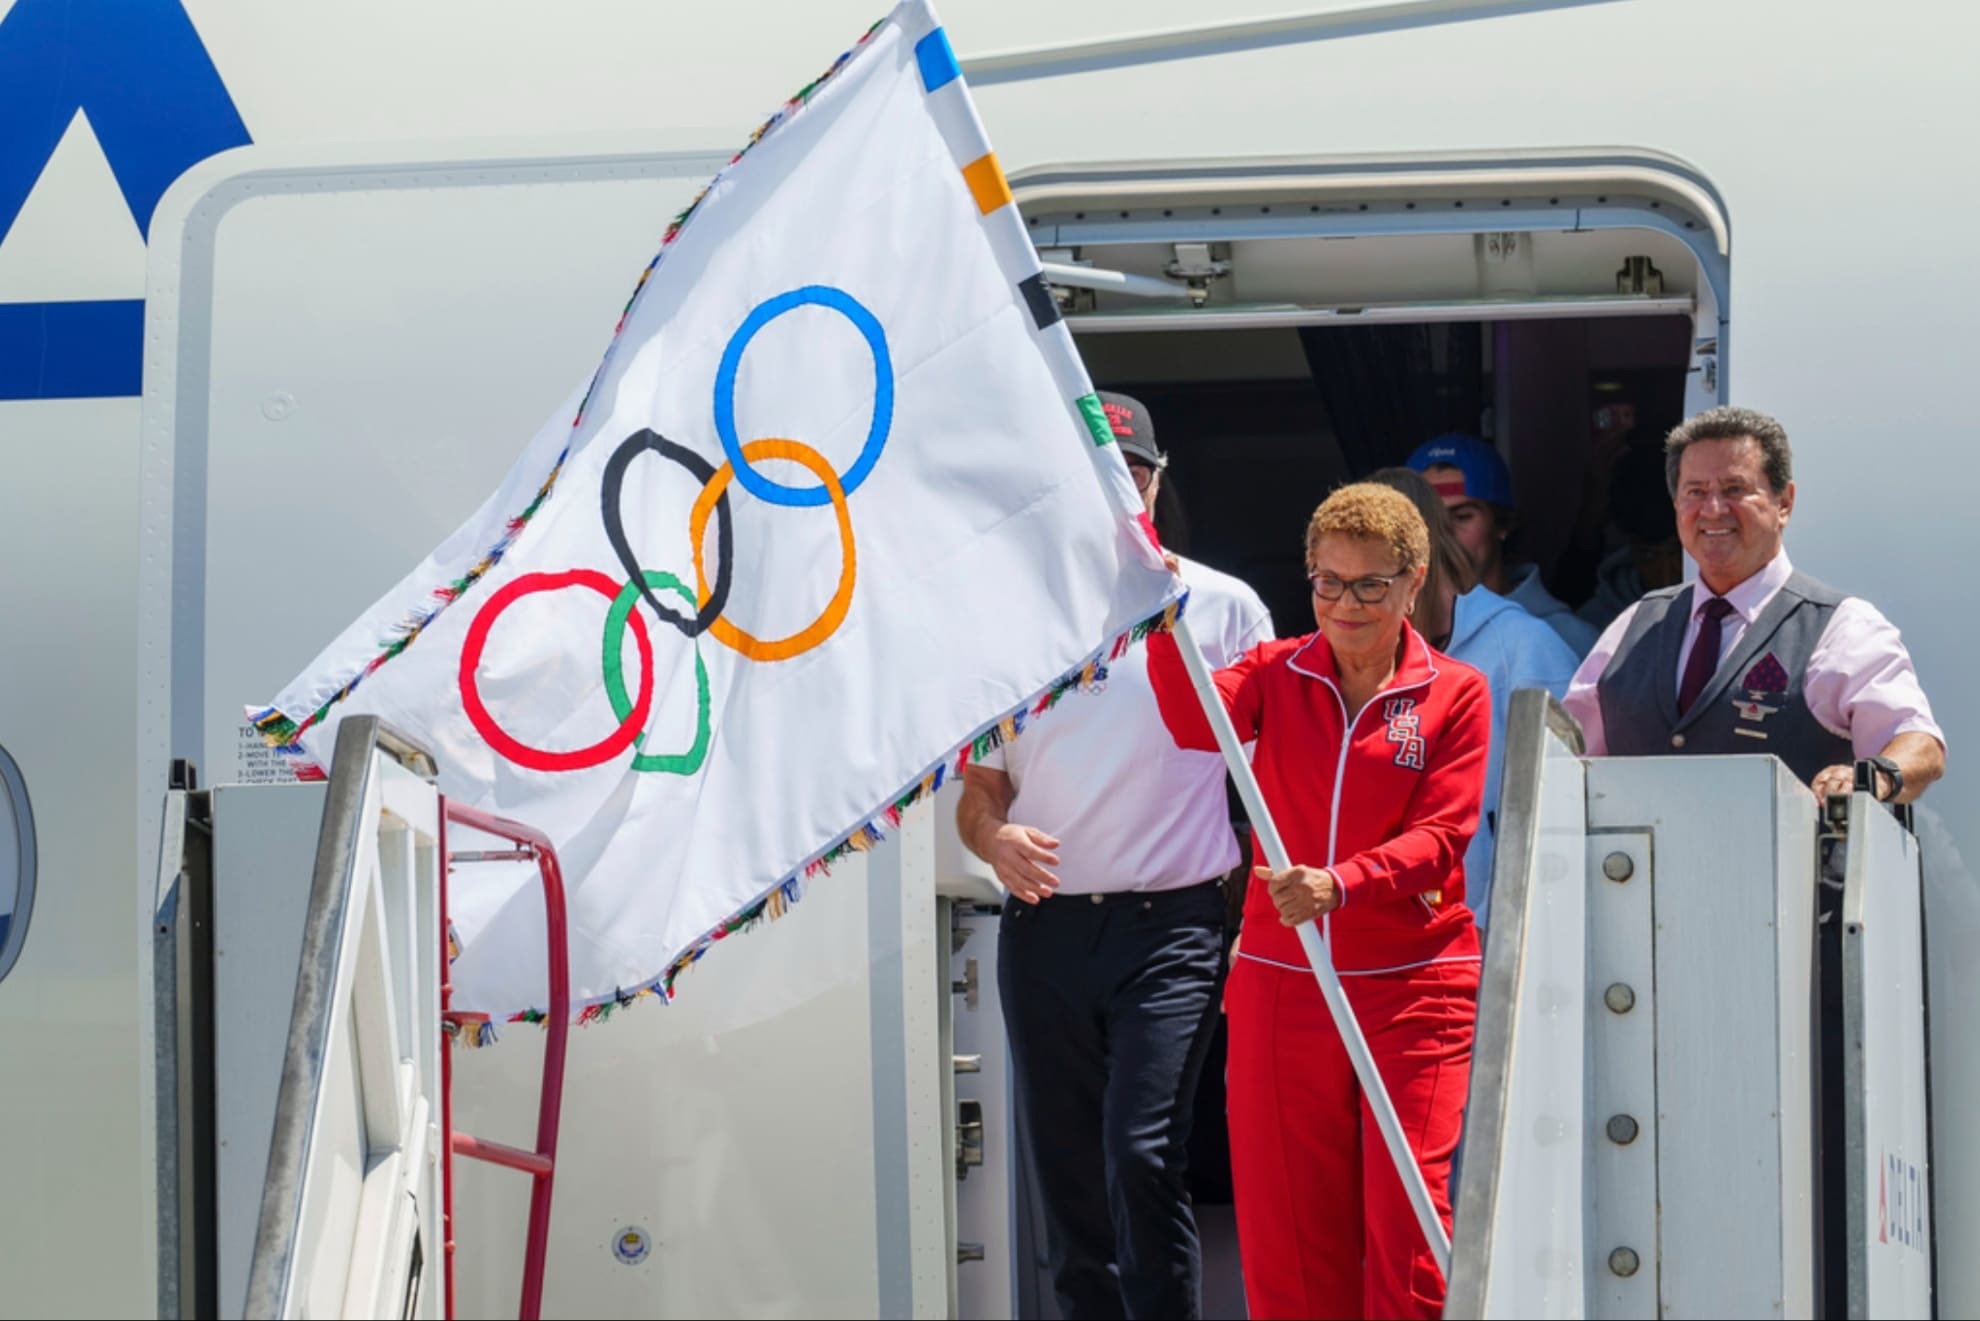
[[868, 325]]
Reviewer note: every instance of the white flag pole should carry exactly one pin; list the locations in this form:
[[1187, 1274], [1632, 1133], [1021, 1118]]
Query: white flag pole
[[1317, 953]]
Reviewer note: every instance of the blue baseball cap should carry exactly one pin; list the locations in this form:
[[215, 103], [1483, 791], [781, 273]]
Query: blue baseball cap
[[1486, 476]]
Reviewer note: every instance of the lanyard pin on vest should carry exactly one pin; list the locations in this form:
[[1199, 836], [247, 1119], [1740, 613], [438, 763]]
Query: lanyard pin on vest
[[1317, 954]]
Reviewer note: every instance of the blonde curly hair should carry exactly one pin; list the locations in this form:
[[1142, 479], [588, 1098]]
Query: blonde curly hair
[[1369, 511]]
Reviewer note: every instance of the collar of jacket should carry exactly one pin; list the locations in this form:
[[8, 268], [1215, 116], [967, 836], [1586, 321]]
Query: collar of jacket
[[1315, 660]]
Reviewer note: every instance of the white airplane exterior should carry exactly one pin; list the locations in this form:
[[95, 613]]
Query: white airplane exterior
[[283, 290]]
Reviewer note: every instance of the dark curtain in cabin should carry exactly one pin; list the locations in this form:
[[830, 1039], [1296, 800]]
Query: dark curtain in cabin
[[1387, 389]]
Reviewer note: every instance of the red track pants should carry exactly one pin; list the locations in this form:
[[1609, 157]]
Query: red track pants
[[1324, 1226]]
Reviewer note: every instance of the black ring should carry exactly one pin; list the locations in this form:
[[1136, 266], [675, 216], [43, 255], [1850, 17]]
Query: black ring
[[615, 527]]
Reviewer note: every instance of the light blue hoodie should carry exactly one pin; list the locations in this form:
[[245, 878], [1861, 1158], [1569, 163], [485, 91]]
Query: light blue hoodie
[[1514, 650], [1530, 593]]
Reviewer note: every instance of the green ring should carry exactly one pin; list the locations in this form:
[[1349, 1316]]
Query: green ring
[[686, 763]]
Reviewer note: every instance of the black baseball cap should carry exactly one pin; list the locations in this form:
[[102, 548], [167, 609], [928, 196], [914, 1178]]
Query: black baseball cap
[[1133, 431]]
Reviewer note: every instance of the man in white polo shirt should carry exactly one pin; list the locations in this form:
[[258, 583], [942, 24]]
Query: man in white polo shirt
[[1113, 843]]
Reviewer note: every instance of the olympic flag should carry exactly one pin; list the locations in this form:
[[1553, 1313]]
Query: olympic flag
[[837, 512]]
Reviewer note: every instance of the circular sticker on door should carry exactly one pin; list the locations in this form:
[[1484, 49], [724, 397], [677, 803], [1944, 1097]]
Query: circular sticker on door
[[632, 1245], [17, 862]]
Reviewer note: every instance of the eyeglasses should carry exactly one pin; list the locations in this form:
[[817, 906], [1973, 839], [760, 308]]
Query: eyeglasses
[[1143, 474], [1371, 590]]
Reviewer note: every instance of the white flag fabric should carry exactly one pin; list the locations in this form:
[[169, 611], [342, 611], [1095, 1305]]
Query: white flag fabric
[[838, 512]]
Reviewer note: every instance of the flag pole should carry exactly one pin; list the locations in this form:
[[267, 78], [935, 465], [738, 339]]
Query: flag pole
[[1317, 954]]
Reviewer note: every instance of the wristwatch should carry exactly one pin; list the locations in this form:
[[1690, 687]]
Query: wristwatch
[[1890, 768]]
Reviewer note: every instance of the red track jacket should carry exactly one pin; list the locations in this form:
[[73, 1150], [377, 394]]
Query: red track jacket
[[1388, 800]]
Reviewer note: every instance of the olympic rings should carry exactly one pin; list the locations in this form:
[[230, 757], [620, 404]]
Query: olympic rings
[[611, 491], [709, 604], [632, 721], [834, 614], [776, 493], [686, 763]]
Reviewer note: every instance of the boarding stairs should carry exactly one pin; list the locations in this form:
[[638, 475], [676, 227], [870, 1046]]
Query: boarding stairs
[[1722, 1067], [304, 1039], [1659, 1124]]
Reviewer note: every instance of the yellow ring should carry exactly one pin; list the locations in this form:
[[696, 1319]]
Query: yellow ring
[[834, 614]]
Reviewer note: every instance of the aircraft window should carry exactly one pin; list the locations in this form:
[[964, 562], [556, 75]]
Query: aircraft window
[[17, 862]]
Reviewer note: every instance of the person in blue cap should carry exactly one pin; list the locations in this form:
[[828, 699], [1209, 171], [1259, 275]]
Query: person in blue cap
[[1476, 487], [1462, 618]]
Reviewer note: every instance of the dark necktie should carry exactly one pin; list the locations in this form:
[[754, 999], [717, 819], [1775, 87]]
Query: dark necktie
[[1704, 658]]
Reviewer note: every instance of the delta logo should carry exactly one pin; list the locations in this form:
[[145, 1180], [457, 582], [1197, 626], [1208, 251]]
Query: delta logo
[[1901, 1202]]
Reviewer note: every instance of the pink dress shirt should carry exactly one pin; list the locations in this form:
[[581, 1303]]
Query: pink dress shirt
[[1860, 683]]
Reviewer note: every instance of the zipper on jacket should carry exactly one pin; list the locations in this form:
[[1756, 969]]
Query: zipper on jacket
[[1340, 770]]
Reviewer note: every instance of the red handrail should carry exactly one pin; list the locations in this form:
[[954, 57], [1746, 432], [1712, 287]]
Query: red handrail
[[540, 1164], [446, 1081]]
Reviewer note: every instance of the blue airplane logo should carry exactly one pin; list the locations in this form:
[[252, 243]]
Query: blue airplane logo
[[138, 69]]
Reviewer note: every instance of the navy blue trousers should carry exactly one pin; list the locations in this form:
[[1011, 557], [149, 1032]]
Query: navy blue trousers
[[1108, 1004]]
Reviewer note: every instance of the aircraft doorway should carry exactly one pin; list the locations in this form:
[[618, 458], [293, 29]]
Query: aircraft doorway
[[1294, 324], [1260, 424]]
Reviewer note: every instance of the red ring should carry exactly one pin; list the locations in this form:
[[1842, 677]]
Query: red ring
[[520, 753]]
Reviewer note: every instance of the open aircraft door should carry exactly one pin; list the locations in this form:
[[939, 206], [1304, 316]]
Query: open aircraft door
[[345, 354]]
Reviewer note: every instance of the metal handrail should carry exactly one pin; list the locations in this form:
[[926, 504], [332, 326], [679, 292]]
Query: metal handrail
[[1532, 713], [325, 926], [539, 1164]]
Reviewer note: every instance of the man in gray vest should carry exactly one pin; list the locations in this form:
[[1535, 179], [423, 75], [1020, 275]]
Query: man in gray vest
[[1754, 657]]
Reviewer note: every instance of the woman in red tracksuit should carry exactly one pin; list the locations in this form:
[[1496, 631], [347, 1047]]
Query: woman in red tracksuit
[[1371, 753]]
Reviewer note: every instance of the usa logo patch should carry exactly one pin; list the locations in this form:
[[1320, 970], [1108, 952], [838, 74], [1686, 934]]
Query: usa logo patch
[[1405, 731]]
